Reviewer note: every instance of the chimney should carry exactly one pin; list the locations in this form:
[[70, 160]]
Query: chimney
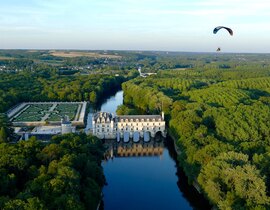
[[162, 115]]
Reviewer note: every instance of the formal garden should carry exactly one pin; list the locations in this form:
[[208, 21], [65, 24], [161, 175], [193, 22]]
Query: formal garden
[[34, 112]]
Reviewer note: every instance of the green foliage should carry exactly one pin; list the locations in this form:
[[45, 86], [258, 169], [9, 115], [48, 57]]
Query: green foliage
[[221, 120], [125, 110], [146, 98], [6, 131], [29, 86], [3, 134], [230, 179], [93, 97], [65, 174]]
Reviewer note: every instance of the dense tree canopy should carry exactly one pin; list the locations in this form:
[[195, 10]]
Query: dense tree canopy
[[29, 86], [220, 118], [65, 174]]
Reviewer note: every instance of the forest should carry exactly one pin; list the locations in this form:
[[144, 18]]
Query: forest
[[65, 174], [124, 61], [45, 84], [219, 118], [217, 107]]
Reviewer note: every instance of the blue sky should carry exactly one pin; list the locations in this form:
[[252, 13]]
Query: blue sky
[[169, 25]]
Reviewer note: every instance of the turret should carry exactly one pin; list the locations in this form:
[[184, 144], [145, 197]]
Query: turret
[[66, 125]]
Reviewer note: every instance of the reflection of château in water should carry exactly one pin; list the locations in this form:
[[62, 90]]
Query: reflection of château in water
[[127, 127], [151, 148]]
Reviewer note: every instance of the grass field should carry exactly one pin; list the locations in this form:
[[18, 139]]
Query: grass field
[[72, 54], [6, 58]]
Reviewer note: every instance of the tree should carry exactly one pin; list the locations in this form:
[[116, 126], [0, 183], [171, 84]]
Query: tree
[[3, 135], [231, 180], [93, 97]]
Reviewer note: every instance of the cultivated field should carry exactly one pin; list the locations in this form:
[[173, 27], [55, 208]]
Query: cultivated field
[[72, 54], [6, 58]]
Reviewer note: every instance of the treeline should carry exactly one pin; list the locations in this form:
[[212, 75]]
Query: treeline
[[65, 174], [46, 85], [6, 131], [150, 61], [220, 119]]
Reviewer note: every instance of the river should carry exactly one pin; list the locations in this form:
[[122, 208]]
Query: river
[[143, 176]]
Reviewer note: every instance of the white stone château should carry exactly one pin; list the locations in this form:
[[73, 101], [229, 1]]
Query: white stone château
[[104, 125], [107, 126]]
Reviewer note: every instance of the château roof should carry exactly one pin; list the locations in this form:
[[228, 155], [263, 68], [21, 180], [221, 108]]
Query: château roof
[[106, 117], [145, 118]]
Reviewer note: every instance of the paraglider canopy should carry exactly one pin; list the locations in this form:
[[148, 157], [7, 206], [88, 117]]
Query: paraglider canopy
[[218, 49], [216, 29]]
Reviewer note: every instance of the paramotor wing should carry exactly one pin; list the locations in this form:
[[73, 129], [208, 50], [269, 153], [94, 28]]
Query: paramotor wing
[[216, 29]]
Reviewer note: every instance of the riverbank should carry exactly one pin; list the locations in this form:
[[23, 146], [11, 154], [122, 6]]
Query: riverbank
[[178, 152], [195, 183]]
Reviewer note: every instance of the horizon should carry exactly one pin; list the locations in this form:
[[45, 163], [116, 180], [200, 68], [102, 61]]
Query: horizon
[[185, 26], [138, 51]]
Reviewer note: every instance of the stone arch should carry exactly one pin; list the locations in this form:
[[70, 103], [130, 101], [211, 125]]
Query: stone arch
[[126, 136], [118, 137], [102, 136], [146, 136], [136, 136], [158, 136]]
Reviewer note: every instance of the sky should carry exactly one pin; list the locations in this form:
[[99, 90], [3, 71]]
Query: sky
[[165, 25]]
